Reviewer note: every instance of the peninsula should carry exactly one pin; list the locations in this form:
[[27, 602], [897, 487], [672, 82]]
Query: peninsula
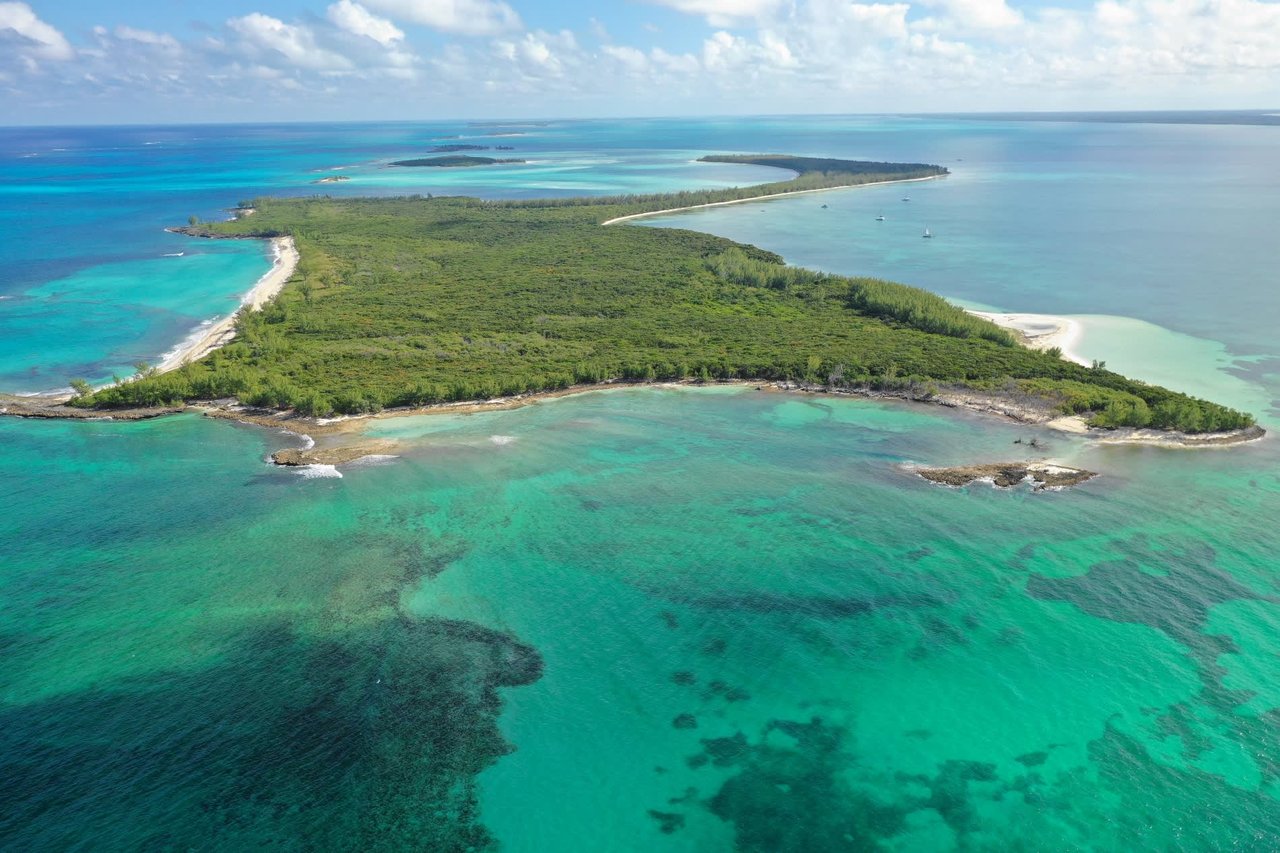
[[412, 302]]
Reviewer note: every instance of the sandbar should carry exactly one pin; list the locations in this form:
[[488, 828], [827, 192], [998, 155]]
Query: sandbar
[[1042, 331]]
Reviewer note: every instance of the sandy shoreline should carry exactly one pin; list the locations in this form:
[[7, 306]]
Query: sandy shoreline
[[222, 332], [631, 216], [1042, 331]]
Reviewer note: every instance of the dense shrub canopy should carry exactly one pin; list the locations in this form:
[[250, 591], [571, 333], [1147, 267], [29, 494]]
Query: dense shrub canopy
[[412, 301]]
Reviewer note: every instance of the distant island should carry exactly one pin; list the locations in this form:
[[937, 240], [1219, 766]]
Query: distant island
[[449, 149], [457, 161], [826, 165], [412, 302]]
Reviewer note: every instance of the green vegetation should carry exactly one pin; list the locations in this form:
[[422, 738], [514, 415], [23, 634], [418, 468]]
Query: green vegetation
[[413, 301], [910, 306], [829, 166], [454, 161]]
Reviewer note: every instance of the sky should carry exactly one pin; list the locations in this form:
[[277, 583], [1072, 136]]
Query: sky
[[139, 61]]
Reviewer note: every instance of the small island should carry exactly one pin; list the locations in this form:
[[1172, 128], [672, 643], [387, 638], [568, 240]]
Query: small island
[[332, 179], [1004, 475], [410, 303], [457, 161]]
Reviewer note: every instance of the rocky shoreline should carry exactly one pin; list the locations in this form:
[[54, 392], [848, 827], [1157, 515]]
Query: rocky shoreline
[[1004, 475], [56, 408], [336, 455], [1023, 409]]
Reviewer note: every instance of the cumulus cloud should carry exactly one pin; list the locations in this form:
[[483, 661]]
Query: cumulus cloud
[[357, 20], [722, 13], [971, 16], [754, 56], [271, 38], [629, 57], [542, 57], [988, 49], [464, 17], [23, 34]]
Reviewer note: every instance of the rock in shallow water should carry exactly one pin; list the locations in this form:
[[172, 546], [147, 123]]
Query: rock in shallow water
[[1005, 474]]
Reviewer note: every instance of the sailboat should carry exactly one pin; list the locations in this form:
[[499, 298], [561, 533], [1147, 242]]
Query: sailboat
[[926, 233]]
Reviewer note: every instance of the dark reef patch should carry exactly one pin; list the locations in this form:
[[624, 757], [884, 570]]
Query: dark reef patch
[[815, 606], [727, 692], [1196, 810], [788, 799], [668, 822], [1171, 591], [369, 738], [715, 647]]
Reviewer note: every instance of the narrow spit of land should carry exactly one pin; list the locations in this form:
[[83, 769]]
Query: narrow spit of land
[[411, 302]]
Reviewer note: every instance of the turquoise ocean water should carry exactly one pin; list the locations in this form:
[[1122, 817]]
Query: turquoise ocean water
[[648, 619]]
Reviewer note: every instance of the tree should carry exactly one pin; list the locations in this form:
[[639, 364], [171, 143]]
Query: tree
[[81, 388]]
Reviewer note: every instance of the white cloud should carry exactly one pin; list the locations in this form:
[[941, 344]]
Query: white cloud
[[972, 16], [541, 55], [357, 20], [163, 41], [27, 36], [631, 58], [268, 37], [884, 20], [722, 13], [684, 64], [770, 56], [464, 17]]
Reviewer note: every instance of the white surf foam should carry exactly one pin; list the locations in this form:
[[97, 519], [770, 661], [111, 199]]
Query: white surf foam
[[501, 440], [193, 337], [312, 472], [373, 459]]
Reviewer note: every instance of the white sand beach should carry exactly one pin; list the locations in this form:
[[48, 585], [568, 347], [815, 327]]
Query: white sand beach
[[207, 340], [1042, 331]]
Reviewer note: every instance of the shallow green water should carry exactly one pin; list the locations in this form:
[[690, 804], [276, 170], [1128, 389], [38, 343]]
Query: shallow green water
[[743, 621]]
